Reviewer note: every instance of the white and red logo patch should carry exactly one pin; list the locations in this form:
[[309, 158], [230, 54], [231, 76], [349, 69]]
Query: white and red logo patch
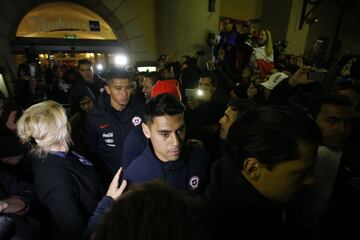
[[194, 182]]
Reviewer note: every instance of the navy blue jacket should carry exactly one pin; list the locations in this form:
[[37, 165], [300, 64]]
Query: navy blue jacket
[[94, 220], [188, 173], [106, 129], [134, 144]]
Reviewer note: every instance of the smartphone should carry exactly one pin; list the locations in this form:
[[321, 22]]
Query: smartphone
[[316, 75], [194, 93]]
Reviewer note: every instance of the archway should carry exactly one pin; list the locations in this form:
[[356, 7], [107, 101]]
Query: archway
[[64, 20], [66, 32], [121, 16]]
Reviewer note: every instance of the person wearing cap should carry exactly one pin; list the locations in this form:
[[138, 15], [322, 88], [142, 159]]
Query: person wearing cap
[[260, 91], [297, 89], [116, 112], [135, 142], [271, 83]]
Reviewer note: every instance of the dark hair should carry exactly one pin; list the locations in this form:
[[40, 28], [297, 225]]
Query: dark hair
[[212, 76], [271, 134], [154, 76], [240, 105], [117, 73], [333, 99], [150, 210], [163, 104], [84, 61]]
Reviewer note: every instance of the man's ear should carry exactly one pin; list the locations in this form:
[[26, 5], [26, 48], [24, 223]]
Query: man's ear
[[252, 168], [107, 89], [146, 130]]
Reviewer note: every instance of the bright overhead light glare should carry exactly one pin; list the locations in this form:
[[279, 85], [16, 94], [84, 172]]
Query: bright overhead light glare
[[120, 60], [99, 67], [200, 92]]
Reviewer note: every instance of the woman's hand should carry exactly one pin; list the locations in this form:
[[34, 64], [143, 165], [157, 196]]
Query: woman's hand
[[114, 191]]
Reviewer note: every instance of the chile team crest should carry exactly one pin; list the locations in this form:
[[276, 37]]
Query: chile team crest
[[136, 120], [194, 182]]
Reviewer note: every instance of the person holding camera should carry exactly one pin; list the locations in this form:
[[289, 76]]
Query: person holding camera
[[205, 108]]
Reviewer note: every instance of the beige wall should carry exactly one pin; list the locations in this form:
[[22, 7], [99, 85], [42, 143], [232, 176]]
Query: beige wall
[[241, 9], [296, 38], [145, 11], [350, 38], [182, 26]]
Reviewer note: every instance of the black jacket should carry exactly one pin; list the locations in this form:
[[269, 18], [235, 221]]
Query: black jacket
[[69, 187], [106, 129], [236, 208], [80, 89]]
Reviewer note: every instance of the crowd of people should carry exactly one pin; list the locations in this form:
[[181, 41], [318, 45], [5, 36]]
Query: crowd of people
[[251, 147]]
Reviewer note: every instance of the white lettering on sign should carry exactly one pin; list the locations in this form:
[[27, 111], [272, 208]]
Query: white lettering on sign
[[58, 23]]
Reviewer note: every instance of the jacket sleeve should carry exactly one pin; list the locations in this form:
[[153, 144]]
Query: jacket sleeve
[[14, 188], [134, 145], [94, 220]]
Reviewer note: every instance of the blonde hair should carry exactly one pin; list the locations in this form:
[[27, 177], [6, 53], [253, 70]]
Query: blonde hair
[[44, 125], [268, 45]]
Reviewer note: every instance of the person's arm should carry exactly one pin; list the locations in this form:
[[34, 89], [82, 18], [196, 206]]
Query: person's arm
[[113, 193], [287, 88], [20, 195], [12, 205], [134, 145]]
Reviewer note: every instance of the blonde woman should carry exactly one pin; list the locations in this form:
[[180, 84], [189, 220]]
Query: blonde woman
[[66, 183], [263, 56]]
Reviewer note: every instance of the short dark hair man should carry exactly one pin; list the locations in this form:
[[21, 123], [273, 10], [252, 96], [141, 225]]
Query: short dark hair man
[[150, 80], [167, 156], [234, 108], [203, 114], [89, 83], [270, 150], [116, 112], [331, 201], [334, 114]]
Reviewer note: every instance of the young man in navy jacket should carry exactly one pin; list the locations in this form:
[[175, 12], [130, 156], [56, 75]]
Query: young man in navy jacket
[[167, 155], [117, 111]]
